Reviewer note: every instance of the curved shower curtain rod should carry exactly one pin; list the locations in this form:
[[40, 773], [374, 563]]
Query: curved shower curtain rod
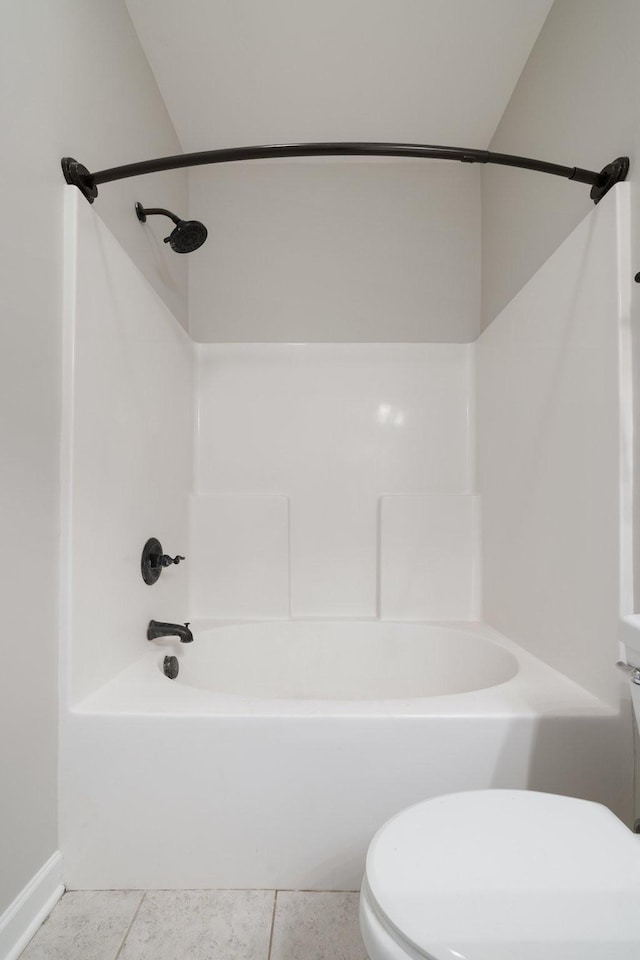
[[77, 174]]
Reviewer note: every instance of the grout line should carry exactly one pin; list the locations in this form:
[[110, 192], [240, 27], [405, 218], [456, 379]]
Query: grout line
[[289, 555], [379, 558], [128, 931], [273, 923], [312, 890], [224, 889]]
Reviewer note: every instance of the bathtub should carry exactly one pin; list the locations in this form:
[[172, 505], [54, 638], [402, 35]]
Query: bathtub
[[281, 747]]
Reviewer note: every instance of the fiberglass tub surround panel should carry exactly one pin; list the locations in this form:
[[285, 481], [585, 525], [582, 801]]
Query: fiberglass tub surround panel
[[428, 558], [239, 551], [425, 549], [333, 427], [130, 408], [550, 387]]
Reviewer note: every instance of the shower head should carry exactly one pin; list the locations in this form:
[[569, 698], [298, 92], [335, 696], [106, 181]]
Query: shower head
[[187, 236]]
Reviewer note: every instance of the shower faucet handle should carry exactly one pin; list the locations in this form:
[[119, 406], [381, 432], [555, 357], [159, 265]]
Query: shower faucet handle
[[154, 561], [166, 560]]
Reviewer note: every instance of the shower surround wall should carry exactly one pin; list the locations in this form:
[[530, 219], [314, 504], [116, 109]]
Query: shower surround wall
[[334, 480], [128, 454], [555, 453]]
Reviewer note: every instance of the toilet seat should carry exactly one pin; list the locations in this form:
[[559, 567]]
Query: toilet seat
[[503, 875]]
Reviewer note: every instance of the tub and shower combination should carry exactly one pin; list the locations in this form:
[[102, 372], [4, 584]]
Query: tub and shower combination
[[279, 749], [284, 742]]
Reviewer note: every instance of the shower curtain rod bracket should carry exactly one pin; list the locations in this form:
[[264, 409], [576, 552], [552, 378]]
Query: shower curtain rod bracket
[[78, 176], [76, 173], [613, 173]]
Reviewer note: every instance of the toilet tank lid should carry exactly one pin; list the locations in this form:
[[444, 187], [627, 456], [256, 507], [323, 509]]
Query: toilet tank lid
[[494, 874]]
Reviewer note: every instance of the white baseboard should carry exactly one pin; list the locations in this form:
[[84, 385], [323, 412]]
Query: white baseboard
[[30, 908]]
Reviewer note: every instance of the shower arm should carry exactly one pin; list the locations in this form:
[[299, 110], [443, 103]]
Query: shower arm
[[77, 174], [143, 212]]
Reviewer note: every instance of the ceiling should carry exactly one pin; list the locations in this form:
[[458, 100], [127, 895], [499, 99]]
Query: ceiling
[[238, 72]]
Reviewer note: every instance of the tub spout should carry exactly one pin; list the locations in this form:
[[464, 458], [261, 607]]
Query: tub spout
[[158, 629]]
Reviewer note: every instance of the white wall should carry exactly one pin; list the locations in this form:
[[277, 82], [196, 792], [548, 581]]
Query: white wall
[[76, 82], [299, 449], [550, 382], [575, 103], [336, 252], [283, 71], [129, 403]]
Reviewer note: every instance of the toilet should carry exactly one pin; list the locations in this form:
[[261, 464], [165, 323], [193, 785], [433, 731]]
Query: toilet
[[503, 875]]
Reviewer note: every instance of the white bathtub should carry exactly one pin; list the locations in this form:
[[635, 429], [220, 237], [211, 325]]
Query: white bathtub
[[329, 660], [282, 746]]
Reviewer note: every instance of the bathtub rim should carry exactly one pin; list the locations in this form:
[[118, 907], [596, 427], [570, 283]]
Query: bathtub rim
[[536, 689]]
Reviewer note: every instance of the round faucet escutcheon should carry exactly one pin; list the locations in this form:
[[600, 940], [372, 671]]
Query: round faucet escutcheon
[[154, 560]]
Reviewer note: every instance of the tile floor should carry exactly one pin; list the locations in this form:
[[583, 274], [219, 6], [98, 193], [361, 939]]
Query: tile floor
[[200, 925]]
